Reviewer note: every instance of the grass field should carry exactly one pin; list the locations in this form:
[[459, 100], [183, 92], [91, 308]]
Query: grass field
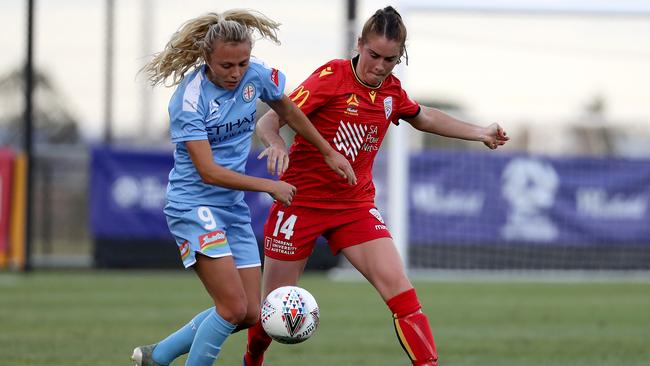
[[95, 318]]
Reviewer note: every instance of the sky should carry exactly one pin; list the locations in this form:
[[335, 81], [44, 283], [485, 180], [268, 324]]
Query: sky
[[514, 67]]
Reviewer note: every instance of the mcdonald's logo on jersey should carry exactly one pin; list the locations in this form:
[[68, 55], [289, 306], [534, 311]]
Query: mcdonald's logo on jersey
[[300, 96]]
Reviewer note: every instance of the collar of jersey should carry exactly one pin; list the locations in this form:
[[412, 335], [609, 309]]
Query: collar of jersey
[[353, 63]]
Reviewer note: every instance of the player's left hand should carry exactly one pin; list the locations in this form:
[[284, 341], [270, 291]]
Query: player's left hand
[[495, 136], [341, 166], [277, 159]]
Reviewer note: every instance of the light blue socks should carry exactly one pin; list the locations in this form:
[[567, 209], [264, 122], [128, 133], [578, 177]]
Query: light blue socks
[[179, 342], [208, 340]]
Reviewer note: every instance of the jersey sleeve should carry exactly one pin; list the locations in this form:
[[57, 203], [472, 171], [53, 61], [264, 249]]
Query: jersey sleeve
[[407, 107], [271, 81], [186, 113], [318, 89]]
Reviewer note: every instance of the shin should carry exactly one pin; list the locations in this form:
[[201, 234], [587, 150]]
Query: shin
[[412, 328]]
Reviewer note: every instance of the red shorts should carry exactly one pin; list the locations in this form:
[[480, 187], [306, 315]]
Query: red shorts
[[290, 232]]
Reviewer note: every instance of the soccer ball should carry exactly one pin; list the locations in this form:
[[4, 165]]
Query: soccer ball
[[290, 314]]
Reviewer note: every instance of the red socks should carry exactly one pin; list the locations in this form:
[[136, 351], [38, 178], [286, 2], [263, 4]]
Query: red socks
[[412, 328], [258, 342]]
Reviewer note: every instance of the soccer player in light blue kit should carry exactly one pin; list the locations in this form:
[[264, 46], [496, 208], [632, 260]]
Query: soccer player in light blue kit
[[212, 116]]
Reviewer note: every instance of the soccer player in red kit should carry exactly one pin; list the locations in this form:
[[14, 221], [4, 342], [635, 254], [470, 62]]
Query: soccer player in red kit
[[351, 103]]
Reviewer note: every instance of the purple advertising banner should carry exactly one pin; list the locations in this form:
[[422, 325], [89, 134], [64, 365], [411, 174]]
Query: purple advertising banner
[[454, 197], [127, 193], [460, 197]]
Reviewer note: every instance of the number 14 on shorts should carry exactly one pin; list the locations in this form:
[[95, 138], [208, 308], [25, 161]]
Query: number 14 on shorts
[[284, 227]]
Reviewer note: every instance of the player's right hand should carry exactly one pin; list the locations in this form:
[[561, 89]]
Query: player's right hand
[[277, 159], [495, 136], [283, 192], [341, 166]]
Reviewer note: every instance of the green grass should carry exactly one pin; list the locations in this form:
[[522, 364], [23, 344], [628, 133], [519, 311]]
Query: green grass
[[95, 318]]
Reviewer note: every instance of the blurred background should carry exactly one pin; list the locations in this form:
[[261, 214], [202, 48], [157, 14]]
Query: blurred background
[[535, 254], [568, 80]]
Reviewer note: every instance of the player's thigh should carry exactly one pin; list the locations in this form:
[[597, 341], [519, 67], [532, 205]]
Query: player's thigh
[[278, 273], [379, 261], [251, 279], [224, 284]]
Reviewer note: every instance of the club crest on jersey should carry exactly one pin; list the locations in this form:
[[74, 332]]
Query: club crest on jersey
[[388, 106], [248, 93], [375, 212], [353, 105]]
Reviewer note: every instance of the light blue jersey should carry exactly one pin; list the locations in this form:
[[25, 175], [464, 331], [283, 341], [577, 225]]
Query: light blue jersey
[[201, 110], [203, 218]]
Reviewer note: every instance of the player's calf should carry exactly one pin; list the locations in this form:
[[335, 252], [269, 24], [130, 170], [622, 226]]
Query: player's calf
[[258, 342]]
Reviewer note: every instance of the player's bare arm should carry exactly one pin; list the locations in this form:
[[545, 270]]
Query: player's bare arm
[[268, 131], [433, 120], [215, 174], [287, 111]]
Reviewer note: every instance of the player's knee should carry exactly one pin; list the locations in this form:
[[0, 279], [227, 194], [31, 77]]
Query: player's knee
[[252, 317], [234, 312]]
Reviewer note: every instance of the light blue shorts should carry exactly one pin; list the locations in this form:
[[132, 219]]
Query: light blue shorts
[[214, 232]]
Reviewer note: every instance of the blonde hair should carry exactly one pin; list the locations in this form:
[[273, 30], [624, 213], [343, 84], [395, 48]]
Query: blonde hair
[[191, 45]]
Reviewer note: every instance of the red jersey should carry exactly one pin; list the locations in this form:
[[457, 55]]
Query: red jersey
[[354, 118]]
